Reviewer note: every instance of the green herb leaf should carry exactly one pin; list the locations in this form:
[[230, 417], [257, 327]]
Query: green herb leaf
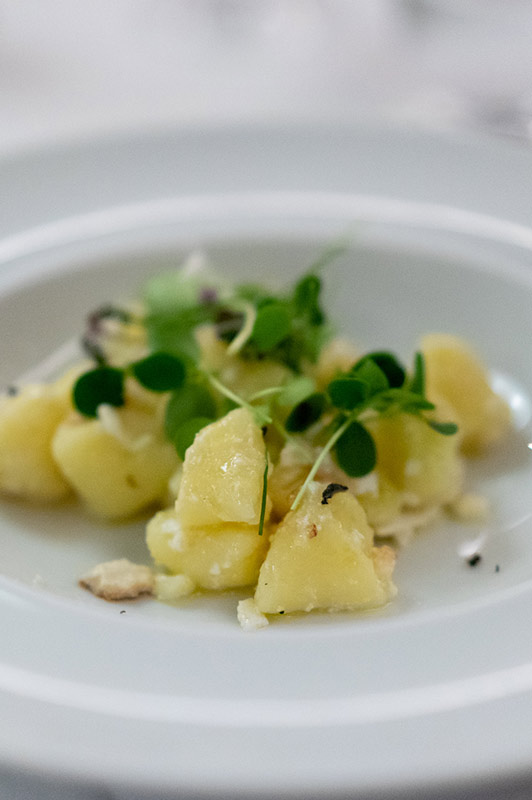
[[403, 400], [272, 325], [306, 299], [160, 372], [98, 386], [264, 494], [355, 451], [348, 392], [295, 391], [445, 428], [417, 381], [306, 413], [368, 371], [175, 332], [173, 291], [390, 366], [192, 400], [186, 433]]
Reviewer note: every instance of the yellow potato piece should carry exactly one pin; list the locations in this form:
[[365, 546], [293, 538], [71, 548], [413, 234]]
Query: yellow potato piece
[[115, 476], [223, 473], [424, 464], [322, 556], [221, 557], [455, 373], [28, 422]]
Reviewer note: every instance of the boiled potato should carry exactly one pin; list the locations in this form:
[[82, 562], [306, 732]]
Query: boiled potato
[[28, 422], [223, 473], [455, 373], [213, 557], [322, 556], [116, 473], [422, 463]]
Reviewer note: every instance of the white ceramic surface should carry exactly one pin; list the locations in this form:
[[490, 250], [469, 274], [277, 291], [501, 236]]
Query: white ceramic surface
[[433, 692]]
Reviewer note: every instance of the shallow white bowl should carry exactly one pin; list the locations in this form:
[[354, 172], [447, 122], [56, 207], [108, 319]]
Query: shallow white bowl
[[435, 691]]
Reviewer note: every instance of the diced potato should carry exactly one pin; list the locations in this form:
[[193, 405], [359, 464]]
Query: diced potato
[[28, 422], [172, 588], [424, 464], [322, 556], [217, 557], [115, 473], [223, 473], [455, 373]]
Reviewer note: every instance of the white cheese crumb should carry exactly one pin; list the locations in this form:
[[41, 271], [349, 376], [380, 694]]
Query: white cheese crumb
[[111, 422], [177, 542], [413, 467], [119, 580], [369, 484], [170, 525], [249, 616], [403, 527], [169, 588], [471, 508]]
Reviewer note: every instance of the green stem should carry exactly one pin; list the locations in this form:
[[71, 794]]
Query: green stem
[[220, 387], [317, 464], [266, 393], [264, 493]]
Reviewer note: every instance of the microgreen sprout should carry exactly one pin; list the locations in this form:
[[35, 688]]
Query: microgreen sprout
[[289, 329]]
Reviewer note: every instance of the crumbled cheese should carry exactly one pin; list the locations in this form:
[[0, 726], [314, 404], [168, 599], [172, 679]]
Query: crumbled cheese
[[471, 508], [403, 527], [249, 616], [111, 422], [369, 484], [119, 580], [170, 525], [173, 526], [413, 467], [384, 561], [169, 588]]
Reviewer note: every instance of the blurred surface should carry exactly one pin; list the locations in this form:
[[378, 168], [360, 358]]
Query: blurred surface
[[70, 70]]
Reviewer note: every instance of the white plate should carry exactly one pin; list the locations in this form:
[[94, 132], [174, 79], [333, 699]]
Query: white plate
[[435, 691]]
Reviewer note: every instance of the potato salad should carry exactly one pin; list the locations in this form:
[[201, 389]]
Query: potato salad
[[266, 453]]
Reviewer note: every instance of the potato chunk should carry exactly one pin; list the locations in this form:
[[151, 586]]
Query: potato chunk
[[223, 473], [117, 474], [322, 556], [28, 422], [216, 557], [455, 373], [423, 464]]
